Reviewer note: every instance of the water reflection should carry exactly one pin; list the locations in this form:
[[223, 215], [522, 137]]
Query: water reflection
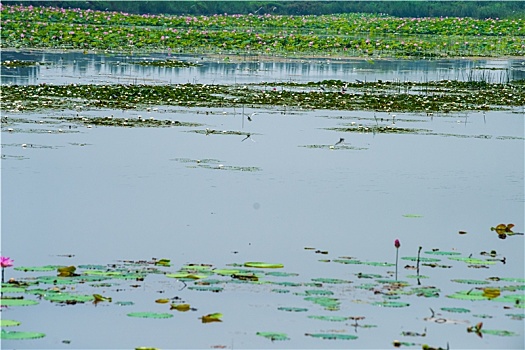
[[72, 67]]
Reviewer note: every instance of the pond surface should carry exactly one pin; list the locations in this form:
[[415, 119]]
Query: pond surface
[[77, 195], [91, 68]]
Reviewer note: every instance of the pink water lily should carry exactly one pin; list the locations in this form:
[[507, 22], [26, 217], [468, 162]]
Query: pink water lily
[[6, 261]]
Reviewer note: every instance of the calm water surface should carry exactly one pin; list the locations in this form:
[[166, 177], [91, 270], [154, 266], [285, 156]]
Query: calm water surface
[[105, 194]]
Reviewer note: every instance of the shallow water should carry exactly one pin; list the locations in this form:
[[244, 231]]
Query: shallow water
[[91, 68], [105, 194]]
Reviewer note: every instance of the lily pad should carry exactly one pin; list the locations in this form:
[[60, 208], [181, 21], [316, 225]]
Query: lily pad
[[292, 309], [334, 336], [465, 281], [439, 252], [9, 323], [421, 259], [214, 289], [391, 304], [263, 265], [36, 268], [455, 309], [329, 318], [273, 335], [12, 290], [330, 280], [69, 298], [150, 315], [501, 333], [15, 335], [17, 302]]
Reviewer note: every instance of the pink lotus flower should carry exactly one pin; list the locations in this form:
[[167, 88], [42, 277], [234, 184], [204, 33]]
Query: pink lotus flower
[[397, 244], [6, 261]]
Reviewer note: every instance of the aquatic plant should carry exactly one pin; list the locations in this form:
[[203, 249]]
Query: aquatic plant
[[266, 35], [5, 262], [397, 244]]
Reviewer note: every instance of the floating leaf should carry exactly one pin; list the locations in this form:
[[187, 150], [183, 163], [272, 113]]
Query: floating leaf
[[516, 316], [292, 309], [391, 304], [9, 323], [69, 298], [20, 335], [330, 280], [162, 301], [17, 302], [226, 272], [150, 315], [318, 292], [491, 293], [36, 268], [501, 333], [465, 281], [180, 307], [455, 309], [421, 259], [439, 252], [66, 271], [263, 265], [472, 261], [213, 289], [273, 336], [12, 290], [332, 336], [281, 274], [329, 318], [99, 298], [215, 317], [186, 275], [163, 262]]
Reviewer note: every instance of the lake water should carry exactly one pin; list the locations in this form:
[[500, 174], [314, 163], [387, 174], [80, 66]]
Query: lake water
[[107, 194]]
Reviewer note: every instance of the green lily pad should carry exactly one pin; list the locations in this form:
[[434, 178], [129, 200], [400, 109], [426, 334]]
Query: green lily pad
[[501, 333], [214, 289], [334, 336], [483, 316], [292, 309], [9, 323], [455, 309], [281, 274], [150, 315], [469, 281], [15, 335], [472, 261], [318, 292], [329, 318], [439, 252], [468, 295], [36, 268], [348, 261], [421, 259], [391, 304], [263, 265], [69, 298], [516, 316], [17, 302], [330, 280], [368, 275], [12, 290], [273, 335], [288, 284], [226, 272]]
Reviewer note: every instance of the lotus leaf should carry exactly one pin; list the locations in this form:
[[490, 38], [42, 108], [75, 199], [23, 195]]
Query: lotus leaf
[[455, 309], [9, 323], [332, 336], [329, 318], [273, 335], [292, 309], [20, 335], [391, 304], [263, 265], [17, 302]]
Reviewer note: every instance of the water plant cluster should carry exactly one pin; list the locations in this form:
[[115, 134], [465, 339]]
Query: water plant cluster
[[342, 35], [444, 96], [324, 299]]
